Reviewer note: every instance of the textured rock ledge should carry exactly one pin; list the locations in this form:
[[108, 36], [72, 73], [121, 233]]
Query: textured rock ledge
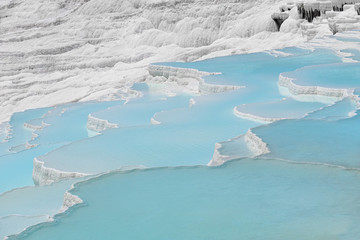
[[253, 142], [43, 175], [35, 127], [254, 117], [99, 125], [176, 74], [256, 144], [219, 159], [69, 201], [312, 90]]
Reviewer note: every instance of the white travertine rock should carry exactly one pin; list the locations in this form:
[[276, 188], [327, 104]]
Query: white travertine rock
[[341, 15], [69, 201], [43, 175], [290, 25], [357, 8], [312, 90], [34, 127], [55, 52], [167, 71], [347, 20], [256, 144], [255, 117], [279, 18], [217, 158], [154, 122], [281, 15], [99, 125], [287, 7], [175, 74]]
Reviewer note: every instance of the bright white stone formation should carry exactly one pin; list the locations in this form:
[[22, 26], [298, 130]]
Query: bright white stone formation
[[339, 15], [53, 52]]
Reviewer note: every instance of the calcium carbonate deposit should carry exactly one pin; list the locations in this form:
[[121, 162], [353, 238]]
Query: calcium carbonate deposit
[[169, 119]]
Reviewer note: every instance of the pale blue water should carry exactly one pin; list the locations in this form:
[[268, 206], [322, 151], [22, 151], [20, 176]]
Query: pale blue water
[[357, 91], [259, 71], [345, 75], [67, 123], [139, 113], [19, 135], [339, 110], [355, 53], [334, 142], [187, 135], [245, 199], [27, 206], [150, 146], [16, 169], [295, 50], [285, 108]]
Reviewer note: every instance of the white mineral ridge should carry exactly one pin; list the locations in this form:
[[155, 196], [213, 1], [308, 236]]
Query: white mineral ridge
[[253, 117], [217, 158], [256, 144], [98, 125], [294, 89], [347, 19], [44, 176], [59, 51], [69, 201], [186, 77], [292, 23]]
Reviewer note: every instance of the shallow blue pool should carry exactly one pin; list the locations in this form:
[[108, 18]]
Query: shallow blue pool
[[304, 187], [245, 199], [345, 75]]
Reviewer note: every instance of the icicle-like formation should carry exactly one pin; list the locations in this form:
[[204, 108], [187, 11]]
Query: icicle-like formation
[[308, 11], [313, 9]]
